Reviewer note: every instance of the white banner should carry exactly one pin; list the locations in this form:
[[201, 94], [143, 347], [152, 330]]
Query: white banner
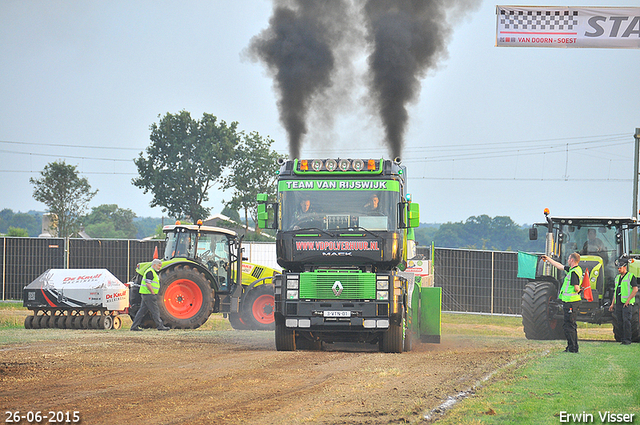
[[567, 26]]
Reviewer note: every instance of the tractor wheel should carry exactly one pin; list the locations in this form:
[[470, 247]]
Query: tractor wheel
[[28, 322], [257, 308], [236, 322], [392, 340], [285, 337], [185, 297], [538, 324]]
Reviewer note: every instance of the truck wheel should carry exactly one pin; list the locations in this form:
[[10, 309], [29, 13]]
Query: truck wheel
[[257, 308], [285, 337], [236, 322], [185, 298], [538, 324], [408, 339], [392, 341]]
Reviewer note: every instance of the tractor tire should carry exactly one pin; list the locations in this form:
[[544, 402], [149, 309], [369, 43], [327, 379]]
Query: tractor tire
[[257, 308], [185, 299], [537, 324], [635, 325], [28, 322], [285, 337], [393, 339], [236, 322]]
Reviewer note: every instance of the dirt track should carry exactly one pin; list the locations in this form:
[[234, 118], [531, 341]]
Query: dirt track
[[235, 377]]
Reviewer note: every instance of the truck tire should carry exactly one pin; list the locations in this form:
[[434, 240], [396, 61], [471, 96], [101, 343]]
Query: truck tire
[[285, 337], [257, 308], [392, 341], [537, 324], [185, 297]]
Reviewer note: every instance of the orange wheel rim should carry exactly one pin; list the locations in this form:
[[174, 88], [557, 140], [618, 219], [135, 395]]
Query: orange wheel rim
[[262, 309], [183, 299]]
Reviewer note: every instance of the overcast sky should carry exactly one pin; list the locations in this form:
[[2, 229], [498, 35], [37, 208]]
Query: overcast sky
[[497, 131]]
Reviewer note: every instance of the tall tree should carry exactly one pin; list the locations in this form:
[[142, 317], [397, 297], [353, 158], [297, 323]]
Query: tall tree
[[65, 194], [110, 221], [185, 159], [253, 172]]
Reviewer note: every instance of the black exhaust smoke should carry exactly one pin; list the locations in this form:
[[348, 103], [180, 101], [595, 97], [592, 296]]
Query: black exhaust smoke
[[298, 49], [406, 39]]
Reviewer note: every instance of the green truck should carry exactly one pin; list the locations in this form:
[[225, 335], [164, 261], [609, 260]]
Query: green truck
[[344, 229]]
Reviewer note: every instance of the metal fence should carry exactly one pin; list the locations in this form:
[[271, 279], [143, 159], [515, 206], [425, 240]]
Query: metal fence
[[477, 281], [471, 280]]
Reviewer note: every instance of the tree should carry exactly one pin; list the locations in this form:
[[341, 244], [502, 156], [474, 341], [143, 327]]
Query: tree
[[18, 232], [65, 194], [185, 159], [110, 221], [254, 171]]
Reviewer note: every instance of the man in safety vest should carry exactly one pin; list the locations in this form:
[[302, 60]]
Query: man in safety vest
[[624, 298], [570, 297], [149, 293]]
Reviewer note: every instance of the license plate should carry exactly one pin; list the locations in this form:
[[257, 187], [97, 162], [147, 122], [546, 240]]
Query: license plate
[[337, 313]]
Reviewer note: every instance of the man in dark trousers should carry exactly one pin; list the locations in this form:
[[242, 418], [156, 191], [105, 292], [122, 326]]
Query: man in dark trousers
[[570, 297], [624, 298], [149, 289]]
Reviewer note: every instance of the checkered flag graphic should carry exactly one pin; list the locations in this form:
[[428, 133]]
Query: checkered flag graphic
[[538, 20]]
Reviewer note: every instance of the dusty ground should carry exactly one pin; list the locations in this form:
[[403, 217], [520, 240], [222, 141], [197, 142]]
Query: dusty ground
[[236, 377]]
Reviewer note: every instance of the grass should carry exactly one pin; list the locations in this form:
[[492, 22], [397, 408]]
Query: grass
[[602, 378]]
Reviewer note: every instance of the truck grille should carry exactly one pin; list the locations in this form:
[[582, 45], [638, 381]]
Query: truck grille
[[355, 285]]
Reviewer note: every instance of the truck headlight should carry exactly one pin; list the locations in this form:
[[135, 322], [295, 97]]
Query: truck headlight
[[292, 295], [292, 283], [382, 285], [382, 295]]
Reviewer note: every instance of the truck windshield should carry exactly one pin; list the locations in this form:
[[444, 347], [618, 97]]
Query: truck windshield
[[339, 209]]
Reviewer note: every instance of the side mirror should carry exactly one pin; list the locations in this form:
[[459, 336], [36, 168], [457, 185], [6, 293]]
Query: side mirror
[[414, 215], [533, 234], [409, 215], [266, 212]]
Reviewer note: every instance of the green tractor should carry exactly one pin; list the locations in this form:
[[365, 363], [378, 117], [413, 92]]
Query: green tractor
[[600, 242], [199, 277]]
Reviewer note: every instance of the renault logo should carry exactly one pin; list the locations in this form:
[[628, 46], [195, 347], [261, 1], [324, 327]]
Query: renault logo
[[337, 288]]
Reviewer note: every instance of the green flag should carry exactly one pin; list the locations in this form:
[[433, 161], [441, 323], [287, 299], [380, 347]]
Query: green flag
[[527, 264]]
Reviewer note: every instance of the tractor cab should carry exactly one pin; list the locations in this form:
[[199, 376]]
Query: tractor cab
[[212, 247]]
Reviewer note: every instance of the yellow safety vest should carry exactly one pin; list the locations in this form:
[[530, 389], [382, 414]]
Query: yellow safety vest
[[625, 289], [155, 283], [567, 293]]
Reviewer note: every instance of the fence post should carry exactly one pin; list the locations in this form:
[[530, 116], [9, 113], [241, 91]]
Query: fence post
[[4, 269], [492, 278]]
